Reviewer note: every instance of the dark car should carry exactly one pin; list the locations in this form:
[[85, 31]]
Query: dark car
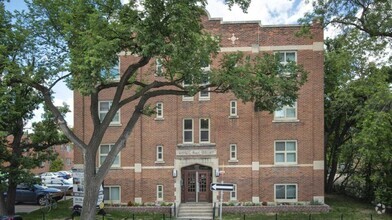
[[35, 194]]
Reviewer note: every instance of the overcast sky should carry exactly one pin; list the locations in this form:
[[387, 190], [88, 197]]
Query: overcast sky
[[268, 12]]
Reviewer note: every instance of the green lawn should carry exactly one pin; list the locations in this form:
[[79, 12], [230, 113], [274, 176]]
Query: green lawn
[[341, 205]]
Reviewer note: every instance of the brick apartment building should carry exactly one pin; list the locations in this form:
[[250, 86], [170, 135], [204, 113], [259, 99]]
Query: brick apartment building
[[174, 155]]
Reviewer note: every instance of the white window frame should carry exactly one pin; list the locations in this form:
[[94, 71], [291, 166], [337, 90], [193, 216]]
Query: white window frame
[[285, 192], [233, 149], [233, 108], [233, 194], [159, 154], [187, 130], [285, 152], [284, 109], [158, 67], [100, 161], [186, 97], [110, 191], [205, 129], [159, 110], [159, 192], [113, 122], [285, 52], [205, 97]]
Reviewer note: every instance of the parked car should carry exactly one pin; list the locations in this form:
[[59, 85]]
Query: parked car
[[65, 185], [35, 193], [49, 176], [64, 174]]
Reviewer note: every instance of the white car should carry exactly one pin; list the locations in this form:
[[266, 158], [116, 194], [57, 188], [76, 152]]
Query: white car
[[49, 176], [64, 185]]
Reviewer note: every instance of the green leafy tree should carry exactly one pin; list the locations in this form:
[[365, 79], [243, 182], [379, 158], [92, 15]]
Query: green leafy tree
[[357, 96], [56, 165], [19, 151], [89, 35]]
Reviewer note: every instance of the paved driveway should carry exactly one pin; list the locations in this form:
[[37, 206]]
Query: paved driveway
[[26, 208]]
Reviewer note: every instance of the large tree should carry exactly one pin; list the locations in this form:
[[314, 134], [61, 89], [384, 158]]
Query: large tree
[[19, 151], [357, 95], [91, 34]]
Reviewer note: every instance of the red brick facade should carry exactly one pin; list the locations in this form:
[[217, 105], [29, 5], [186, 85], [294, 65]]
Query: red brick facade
[[254, 171]]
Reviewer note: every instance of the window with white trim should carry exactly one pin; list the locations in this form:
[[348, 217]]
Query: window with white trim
[[285, 192], [233, 152], [204, 130], [286, 112], [112, 194], [233, 108], [287, 56], [104, 150], [187, 83], [285, 152], [233, 194], [159, 110], [113, 73], [205, 94], [188, 130], [159, 153], [158, 67], [104, 107], [159, 192]]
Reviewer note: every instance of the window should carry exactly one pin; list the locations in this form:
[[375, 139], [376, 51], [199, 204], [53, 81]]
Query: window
[[113, 73], [104, 151], [187, 83], [158, 67], [68, 161], [159, 153], [204, 130], [159, 110], [233, 108], [233, 194], [287, 56], [286, 112], [159, 192], [286, 192], [205, 94], [111, 194], [188, 131], [233, 152], [104, 107], [285, 152]]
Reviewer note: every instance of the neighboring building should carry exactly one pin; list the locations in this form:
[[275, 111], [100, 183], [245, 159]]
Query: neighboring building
[[65, 152], [174, 155]]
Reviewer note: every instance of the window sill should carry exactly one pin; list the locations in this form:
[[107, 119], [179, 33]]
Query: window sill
[[204, 99], [115, 168], [286, 165], [233, 116], [115, 125], [285, 120], [159, 119], [233, 161], [187, 99], [159, 161]]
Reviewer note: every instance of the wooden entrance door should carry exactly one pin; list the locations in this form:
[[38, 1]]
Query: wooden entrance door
[[196, 182]]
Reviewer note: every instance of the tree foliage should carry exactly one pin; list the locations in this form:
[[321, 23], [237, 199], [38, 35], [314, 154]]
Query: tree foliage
[[358, 96], [87, 37], [19, 151]]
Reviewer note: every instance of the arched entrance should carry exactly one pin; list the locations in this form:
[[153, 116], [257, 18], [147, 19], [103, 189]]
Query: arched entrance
[[195, 183]]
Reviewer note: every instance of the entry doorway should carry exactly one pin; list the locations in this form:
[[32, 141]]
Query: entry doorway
[[195, 183]]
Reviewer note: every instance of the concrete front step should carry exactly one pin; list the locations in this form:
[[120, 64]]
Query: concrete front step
[[195, 211]]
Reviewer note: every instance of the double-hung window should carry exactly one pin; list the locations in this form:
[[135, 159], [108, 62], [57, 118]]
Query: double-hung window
[[187, 83], [233, 194], [204, 130], [159, 110], [233, 108], [286, 112], [233, 152], [159, 192], [285, 57], [205, 94], [104, 107], [188, 130], [285, 152], [158, 67], [112, 194], [159, 153], [285, 192], [104, 150]]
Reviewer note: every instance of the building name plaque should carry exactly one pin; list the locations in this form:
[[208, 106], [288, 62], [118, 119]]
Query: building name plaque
[[198, 152]]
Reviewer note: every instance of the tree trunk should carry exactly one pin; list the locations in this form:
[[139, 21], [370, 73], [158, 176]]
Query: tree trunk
[[11, 196], [91, 186], [332, 172], [3, 210]]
